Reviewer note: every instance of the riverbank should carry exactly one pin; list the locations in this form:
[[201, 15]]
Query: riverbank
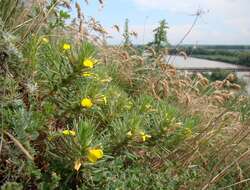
[[192, 62], [234, 56], [220, 58]]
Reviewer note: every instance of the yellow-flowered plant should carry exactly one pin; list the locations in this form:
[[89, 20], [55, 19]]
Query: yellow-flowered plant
[[86, 103], [66, 46], [89, 63], [144, 136], [69, 133], [94, 154]]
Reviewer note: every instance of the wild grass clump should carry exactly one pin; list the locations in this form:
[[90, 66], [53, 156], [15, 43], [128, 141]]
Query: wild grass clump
[[78, 114]]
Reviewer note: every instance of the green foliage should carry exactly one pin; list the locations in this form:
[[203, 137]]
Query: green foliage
[[11, 186], [126, 34], [234, 56], [160, 36], [8, 12], [85, 133], [244, 58], [219, 75], [59, 21]]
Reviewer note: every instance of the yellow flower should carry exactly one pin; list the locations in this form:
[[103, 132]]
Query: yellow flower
[[45, 40], [89, 63], [94, 154], [144, 136], [77, 164], [86, 103], [66, 46], [69, 133], [129, 134]]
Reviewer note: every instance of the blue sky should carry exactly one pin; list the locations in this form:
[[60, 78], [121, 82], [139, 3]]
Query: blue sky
[[225, 21]]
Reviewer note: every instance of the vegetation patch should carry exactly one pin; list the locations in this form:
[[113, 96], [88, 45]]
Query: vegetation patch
[[79, 114]]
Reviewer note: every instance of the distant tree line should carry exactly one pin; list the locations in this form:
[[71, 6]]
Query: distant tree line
[[234, 56], [221, 47]]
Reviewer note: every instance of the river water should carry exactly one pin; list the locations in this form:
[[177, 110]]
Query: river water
[[180, 62]]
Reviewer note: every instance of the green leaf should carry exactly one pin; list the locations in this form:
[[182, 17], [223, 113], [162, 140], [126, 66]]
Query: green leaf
[[85, 131], [64, 14]]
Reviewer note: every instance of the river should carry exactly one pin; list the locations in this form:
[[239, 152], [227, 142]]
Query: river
[[190, 62]]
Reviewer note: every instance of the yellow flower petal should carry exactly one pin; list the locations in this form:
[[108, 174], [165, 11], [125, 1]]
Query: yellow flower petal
[[89, 63], [77, 164], [86, 103], [94, 154], [142, 133], [144, 136], [66, 46], [129, 134], [92, 158], [148, 137], [69, 133]]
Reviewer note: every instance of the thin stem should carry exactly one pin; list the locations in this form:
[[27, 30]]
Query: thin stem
[[198, 14], [19, 145], [215, 178]]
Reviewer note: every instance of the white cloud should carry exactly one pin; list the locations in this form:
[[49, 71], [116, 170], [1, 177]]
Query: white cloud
[[230, 8], [206, 35], [227, 21]]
